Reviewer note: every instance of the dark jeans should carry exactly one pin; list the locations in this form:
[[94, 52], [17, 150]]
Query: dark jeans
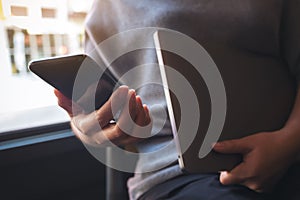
[[199, 186], [208, 187]]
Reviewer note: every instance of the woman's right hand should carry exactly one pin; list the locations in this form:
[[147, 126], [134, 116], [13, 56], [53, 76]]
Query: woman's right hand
[[96, 129]]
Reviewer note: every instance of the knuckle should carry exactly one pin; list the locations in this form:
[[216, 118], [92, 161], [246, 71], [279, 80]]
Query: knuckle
[[118, 133], [99, 142], [98, 115], [81, 128], [256, 187]]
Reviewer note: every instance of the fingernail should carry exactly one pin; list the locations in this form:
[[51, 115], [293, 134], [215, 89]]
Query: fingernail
[[123, 87], [139, 100], [217, 145], [132, 91], [223, 174], [132, 94], [146, 108]]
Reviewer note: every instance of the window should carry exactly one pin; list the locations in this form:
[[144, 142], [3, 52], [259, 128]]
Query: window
[[18, 11], [48, 12], [27, 102]]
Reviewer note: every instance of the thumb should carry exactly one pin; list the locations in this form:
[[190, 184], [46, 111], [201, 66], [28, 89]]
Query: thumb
[[90, 123], [237, 146], [235, 176], [106, 113]]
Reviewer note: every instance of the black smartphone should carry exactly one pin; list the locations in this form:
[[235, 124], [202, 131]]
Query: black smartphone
[[78, 77]]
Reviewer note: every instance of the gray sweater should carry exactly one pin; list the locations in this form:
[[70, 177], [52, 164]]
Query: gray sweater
[[255, 44]]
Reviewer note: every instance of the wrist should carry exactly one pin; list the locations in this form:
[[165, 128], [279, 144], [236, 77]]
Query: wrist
[[290, 137]]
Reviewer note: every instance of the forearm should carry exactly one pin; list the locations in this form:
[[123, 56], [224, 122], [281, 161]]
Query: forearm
[[291, 130]]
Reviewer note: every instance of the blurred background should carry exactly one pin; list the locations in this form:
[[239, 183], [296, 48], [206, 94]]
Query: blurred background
[[32, 29], [39, 156]]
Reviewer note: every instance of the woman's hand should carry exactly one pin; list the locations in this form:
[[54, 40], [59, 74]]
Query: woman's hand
[[266, 157], [95, 128]]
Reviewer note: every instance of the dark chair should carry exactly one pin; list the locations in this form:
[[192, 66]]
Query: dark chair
[[116, 181]]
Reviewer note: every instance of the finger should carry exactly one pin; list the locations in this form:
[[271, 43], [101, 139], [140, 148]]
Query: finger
[[113, 134], [148, 117], [82, 137], [67, 104], [126, 122], [128, 141], [63, 101], [87, 124], [96, 140], [252, 185], [235, 176], [143, 116], [117, 100], [97, 120], [104, 138], [139, 131], [140, 112], [237, 146], [120, 130], [143, 127]]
